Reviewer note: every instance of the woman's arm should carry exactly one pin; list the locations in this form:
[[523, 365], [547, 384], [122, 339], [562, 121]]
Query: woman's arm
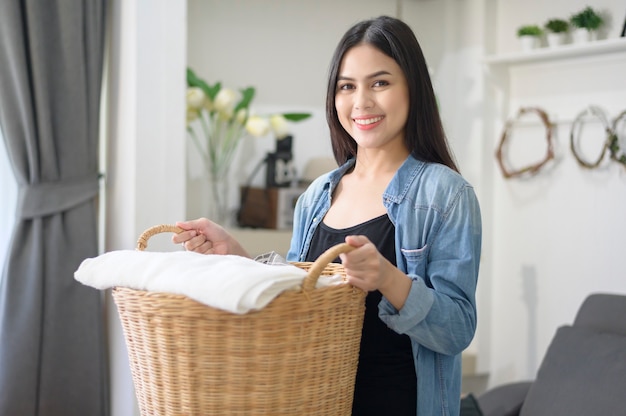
[[440, 310]]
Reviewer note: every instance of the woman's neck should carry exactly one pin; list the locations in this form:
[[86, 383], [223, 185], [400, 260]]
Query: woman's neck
[[376, 162]]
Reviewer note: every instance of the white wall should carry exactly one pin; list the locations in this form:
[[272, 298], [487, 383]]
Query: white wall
[[145, 133], [558, 236]]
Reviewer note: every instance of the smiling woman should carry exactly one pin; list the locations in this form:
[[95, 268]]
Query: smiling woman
[[414, 223], [372, 94]]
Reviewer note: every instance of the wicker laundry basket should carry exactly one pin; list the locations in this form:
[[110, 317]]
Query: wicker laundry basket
[[296, 356]]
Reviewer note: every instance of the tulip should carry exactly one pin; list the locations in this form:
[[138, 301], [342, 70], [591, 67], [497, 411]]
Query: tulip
[[195, 98], [258, 126], [241, 116], [279, 126], [225, 100]]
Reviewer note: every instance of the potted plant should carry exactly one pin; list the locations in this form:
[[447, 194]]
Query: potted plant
[[529, 36], [587, 22], [556, 30]]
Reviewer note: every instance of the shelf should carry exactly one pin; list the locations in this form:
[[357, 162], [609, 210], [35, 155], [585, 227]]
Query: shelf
[[598, 47], [259, 241]]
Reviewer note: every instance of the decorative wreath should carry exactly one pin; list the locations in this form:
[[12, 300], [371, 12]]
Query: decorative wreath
[[532, 169], [598, 113], [616, 153]]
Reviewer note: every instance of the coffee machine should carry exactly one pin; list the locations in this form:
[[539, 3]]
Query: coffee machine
[[279, 169], [272, 206]]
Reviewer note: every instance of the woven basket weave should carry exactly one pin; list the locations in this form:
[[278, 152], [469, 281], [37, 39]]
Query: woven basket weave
[[296, 356]]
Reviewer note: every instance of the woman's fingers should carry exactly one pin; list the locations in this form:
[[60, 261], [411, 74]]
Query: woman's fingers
[[183, 236], [363, 264], [198, 243]]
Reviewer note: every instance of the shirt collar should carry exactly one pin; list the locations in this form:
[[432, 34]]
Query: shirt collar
[[399, 185]]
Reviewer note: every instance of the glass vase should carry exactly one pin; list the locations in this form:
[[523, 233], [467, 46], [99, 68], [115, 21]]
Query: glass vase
[[219, 210]]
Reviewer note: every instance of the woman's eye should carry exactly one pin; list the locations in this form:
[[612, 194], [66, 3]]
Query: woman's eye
[[346, 87], [381, 83]]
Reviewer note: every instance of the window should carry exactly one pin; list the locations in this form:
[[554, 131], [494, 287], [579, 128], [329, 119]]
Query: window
[[8, 190]]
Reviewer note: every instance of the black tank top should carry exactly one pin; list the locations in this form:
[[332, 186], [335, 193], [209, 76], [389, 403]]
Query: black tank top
[[386, 383]]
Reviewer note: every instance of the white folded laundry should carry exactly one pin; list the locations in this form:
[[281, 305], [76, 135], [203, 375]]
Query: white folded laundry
[[232, 283]]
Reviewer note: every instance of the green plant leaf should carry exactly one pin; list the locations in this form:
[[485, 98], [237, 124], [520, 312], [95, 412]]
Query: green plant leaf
[[247, 94], [211, 91], [557, 25], [192, 78], [296, 116], [587, 19], [529, 30], [194, 81]]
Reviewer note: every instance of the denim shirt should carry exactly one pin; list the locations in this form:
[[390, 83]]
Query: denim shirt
[[438, 234]]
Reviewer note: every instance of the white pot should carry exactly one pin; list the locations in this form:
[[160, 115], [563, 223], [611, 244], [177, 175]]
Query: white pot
[[555, 39], [529, 42], [583, 35]]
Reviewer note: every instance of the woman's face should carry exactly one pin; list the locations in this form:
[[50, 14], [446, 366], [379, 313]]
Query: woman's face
[[372, 98]]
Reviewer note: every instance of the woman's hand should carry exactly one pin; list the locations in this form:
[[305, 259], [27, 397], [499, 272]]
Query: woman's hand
[[206, 237], [367, 269], [363, 265]]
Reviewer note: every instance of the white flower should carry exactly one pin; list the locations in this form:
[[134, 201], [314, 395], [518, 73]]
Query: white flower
[[258, 126], [225, 101], [195, 98], [279, 126], [216, 129], [241, 115]]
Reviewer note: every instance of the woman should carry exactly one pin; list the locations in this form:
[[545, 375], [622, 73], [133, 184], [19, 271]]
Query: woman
[[398, 198]]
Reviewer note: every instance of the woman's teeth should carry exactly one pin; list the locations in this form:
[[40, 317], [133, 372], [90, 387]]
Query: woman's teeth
[[367, 121]]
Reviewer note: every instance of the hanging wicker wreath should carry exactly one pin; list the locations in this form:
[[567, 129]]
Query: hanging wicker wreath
[[617, 154], [534, 168], [598, 113]]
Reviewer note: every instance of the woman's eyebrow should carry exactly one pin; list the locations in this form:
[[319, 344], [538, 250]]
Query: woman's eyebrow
[[374, 75]]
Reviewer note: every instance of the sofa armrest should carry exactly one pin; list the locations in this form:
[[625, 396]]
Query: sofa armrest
[[504, 400]]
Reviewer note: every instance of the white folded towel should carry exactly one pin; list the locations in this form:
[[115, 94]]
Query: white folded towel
[[232, 283]]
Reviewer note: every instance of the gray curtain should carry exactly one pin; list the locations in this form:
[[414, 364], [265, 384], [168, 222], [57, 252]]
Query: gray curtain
[[52, 344]]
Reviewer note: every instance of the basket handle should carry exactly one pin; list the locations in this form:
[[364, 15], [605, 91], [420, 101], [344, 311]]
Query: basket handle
[[142, 242], [311, 278], [320, 264]]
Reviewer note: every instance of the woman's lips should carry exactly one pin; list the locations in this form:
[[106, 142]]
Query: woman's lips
[[367, 123]]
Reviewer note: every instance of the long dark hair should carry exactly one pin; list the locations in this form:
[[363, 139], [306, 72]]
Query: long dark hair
[[424, 134]]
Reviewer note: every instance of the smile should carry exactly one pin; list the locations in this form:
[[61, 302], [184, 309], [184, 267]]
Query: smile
[[367, 121]]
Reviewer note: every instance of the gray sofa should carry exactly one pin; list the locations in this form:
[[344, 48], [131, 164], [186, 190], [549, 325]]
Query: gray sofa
[[582, 373]]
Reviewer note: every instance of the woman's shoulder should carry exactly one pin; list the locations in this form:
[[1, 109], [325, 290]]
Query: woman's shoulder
[[426, 174], [439, 173], [429, 184]]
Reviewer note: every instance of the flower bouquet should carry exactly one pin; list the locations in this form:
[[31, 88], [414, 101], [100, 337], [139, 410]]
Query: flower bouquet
[[217, 119]]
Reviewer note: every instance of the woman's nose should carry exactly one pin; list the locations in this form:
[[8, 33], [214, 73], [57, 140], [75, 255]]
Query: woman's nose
[[363, 99]]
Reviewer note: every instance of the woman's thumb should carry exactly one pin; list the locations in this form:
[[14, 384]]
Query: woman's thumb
[[357, 240]]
